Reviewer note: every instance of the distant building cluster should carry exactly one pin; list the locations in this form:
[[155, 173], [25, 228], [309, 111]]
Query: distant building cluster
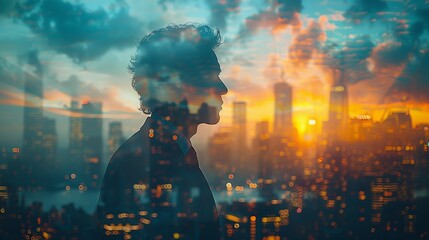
[[85, 141], [358, 179]]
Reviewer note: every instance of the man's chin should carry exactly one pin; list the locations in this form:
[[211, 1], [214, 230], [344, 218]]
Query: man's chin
[[212, 120]]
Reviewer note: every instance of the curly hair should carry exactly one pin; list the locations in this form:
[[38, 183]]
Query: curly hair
[[152, 57]]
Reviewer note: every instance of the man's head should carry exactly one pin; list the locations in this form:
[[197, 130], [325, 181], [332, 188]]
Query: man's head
[[178, 63]]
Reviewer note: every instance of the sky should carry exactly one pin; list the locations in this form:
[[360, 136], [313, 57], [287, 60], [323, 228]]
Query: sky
[[84, 48]]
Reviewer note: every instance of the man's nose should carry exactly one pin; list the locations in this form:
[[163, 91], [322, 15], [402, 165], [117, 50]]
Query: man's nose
[[221, 89]]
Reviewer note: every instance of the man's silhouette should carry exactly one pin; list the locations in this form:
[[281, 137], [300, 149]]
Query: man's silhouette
[[153, 187]]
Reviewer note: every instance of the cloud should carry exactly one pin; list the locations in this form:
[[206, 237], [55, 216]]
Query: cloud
[[74, 87], [365, 10], [423, 15], [354, 58], [337, 17], [30, 69], [220, 10], [79, 90], [391, 53], [273, 71], [406, 51], [12, 97], [412, 85], [307, 54], [244, 88], [308, 41], [277, 16], [79, 33], [7, 7], [242, 84], [10, 74], [32, 59]]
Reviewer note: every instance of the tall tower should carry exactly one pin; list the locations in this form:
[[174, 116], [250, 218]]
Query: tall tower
[[75, 134], [239, 134], [338, 101], [283, 140], [116, 137], [283, 109], [33, 118], [49, 140], [92, 125]]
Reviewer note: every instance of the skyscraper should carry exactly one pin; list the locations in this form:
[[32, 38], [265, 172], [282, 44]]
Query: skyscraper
[[239, 134], [8, 158], [116, 137], [283, 140], [398, 123], [75, 134], [338, 103], [92, 125], [33, 119], [283, 109], [49, 140]]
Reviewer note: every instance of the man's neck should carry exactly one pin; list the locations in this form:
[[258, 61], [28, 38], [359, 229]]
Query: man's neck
[[186, 126]]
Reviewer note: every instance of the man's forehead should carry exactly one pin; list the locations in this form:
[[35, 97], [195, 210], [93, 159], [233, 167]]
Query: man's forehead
[[211, 61], [216, 67]]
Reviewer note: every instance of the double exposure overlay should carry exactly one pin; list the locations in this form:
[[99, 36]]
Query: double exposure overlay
[[214, 119]]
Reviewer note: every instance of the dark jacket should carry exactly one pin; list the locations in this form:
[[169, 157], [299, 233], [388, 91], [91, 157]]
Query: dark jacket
[[153, 188]]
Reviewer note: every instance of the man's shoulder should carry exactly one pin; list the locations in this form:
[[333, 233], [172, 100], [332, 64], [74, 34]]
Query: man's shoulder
[[133, 145], [133, 150]]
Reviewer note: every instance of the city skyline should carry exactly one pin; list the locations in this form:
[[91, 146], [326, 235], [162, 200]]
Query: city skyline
[[301, 51], [68, 112], [323, 130], [285, 171]]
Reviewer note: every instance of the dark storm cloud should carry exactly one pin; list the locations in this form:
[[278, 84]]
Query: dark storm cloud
[[306, 43], [416, 30], [413, 84], [391, 54], [410, 49], [279, 14], [79, 33], [423, 14], [401, 48], [7, 7], [406, 50], [352, 58], [403, 44], [287, 8], [422, 25], [356, 54], [365, 10]]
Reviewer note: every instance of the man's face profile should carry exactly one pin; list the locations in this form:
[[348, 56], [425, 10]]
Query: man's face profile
[[209, 89], [179, 66]]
